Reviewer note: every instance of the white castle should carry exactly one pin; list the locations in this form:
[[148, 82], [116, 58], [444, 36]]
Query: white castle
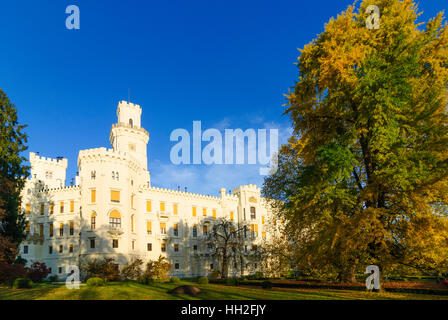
[[113, 211]]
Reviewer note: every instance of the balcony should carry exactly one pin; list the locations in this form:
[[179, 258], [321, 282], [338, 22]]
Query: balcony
[[115, 231], [162, 236], [163, 214]]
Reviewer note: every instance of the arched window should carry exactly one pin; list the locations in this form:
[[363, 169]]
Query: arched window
[[115, 220], [131, 123], [93, 221]]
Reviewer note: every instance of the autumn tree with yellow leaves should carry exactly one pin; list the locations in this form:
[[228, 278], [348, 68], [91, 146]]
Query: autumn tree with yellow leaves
[[364, 178]]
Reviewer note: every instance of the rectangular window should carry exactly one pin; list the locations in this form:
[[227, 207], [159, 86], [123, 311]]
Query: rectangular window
[[176, 266], [72, 206], [42, 209], [195, 231], [115, 196], [275, 221], [70, 248], [194, 211], [204, 230], [149, 246], [231, 216], [50, 250], [195, 247], [263, 235], [61, 230], [253, 214], [72, 228], [61, 205], [176, 230], [162, 206], [93, 222], [93, 196], [51, 229], [51, 208], [132, 202], [163, 247], [176, 248], [132, 223], [133, 245], [28, 227], [92, 243], [163, 228], [61, 248], [148, 227], [41, 230], [204, 212], [115, 243], [60, 270], [214, 213], [28, 208], [148, 206], [25, 249], [175, 209], [262, 219]]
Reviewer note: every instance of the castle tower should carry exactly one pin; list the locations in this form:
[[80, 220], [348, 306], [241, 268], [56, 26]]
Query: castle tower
[[127, 135], [51, 172]]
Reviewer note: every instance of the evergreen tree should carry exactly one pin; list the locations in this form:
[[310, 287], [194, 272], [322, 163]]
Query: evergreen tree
[[13, 173]]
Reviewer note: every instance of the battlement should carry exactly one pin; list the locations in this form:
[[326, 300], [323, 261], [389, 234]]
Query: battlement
[[249, 187], [185, 194], [35, 159], [129, 105]]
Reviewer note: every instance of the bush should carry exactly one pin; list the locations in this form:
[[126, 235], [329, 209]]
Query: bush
[[53, 278], [174, 280], [203, 280], [256, 276], [105, 269], [95, 282], [10, 272], [146, 280], [22, 283], [38, 271], [215, 275], [267, 285], [232, 281], [132, 270]]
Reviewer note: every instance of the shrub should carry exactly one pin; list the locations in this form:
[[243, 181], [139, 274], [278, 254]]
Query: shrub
[[132, 270], [174, 280], [95, 282], [10, 272], [157, 269], [22, 283], [203, 280], [267, 285], [232, 281], [256, 276], [146, 280], [53, 278], [215, 275], [105, 269], [38, 271]]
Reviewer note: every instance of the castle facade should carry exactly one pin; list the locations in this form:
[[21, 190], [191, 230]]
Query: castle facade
[[113, 211]]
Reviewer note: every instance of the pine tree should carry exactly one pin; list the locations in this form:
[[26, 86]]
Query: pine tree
[[364, 179], [13, 173]]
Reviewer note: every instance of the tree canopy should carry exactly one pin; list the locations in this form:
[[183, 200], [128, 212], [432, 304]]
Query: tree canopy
[[364, 177]]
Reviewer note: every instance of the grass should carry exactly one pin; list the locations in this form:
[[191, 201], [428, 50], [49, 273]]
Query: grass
[[158, 291]]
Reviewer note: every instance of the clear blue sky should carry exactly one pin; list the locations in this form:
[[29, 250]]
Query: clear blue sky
[[226, 63]]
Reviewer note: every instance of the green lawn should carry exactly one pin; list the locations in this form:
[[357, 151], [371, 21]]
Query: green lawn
[[158, 291]]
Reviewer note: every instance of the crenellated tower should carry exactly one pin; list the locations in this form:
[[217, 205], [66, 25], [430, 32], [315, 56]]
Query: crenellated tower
[[127, 135]]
